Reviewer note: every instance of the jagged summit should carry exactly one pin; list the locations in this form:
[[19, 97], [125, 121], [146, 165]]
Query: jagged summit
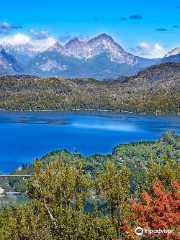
[[101, 37], [102, 44], [73, 40], [56, 46]]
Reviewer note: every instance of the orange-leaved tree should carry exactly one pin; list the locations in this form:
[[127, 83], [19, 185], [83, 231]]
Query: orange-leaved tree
[[155, 211]]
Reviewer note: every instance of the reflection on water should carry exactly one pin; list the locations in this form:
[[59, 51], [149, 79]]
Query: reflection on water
[[25, 136], [14, 199], [108, 127]]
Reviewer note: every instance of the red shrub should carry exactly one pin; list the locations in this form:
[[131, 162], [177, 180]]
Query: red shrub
[[159, 210]]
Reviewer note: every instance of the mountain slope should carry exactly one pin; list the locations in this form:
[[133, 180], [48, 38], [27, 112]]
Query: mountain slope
[[105, 44], [174, 52], [163, 72], [172, 56], [155, 90], [53, 63], [145, 62], [23, 52], [8, 64]]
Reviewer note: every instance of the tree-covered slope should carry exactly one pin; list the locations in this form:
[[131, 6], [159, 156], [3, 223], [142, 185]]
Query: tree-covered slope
[[134, 155], [155, 90]]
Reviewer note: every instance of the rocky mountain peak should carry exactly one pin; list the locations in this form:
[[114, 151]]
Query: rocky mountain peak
[[57, 46], [73, 41], [174, 52], [102, 37]]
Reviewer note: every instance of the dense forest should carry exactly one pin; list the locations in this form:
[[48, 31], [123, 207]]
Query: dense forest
[[155, 90], [99, 197]]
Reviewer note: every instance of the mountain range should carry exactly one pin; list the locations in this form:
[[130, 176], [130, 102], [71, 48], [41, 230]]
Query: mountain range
[[100, 58]]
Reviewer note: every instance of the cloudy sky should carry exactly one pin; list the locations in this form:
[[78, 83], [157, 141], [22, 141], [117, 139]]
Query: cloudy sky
[[145, 28]]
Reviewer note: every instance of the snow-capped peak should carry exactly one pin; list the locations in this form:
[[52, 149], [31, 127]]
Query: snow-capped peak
[[57, 47], [105, 44], [73, 41], [99, 45], [174, 52], [78, 48], [23, 52], [102, 37], [81, 49]]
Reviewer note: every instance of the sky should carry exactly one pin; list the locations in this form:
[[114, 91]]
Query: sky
[[144, 28]]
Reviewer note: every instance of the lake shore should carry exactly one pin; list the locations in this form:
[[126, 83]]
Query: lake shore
[[42, 132], [89, 110]]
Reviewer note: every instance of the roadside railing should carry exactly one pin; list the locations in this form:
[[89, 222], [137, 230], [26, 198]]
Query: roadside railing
[[15, 176]]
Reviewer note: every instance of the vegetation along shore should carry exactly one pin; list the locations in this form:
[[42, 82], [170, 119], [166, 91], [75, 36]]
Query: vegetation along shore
[[152, 91]]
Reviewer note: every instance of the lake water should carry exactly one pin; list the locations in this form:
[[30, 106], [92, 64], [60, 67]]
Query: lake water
[[25, 136]]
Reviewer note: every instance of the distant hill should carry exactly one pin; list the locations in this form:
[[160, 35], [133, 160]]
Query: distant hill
[[145, 62], [162, 72], [155, 90]]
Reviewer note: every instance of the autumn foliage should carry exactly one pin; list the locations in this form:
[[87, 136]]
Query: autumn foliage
[[158, 210]]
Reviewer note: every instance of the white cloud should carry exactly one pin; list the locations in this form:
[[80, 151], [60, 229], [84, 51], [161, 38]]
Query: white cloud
[[40, 35], [16, 39], [149, 50], [48, 42], [22, 39]]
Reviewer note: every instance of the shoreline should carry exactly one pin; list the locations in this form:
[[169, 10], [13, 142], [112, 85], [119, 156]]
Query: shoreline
[[65, 110], [91, 155], [90, 110]]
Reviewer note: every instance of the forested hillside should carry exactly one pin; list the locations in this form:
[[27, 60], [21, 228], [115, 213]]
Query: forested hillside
[[155, 90], [134, 155]]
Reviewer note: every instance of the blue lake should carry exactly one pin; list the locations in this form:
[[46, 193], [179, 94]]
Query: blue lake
[[25, 136]]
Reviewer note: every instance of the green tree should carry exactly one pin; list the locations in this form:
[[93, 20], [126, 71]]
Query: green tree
[[114, 189], [166, 171]]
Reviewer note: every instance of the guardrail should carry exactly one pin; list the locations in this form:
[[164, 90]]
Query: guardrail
[[15, 175]]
